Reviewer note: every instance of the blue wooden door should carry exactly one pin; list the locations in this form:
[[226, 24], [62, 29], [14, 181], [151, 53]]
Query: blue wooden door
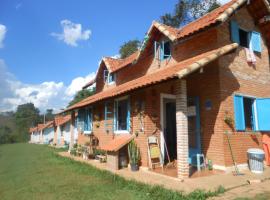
[[194, 130]]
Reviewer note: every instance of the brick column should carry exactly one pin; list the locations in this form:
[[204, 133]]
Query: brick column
[[182, 129], [72, 129]]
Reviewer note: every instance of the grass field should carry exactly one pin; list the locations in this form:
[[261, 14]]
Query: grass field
[[29, 171]]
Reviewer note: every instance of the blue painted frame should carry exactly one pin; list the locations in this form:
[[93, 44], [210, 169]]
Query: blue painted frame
[[194, 151]]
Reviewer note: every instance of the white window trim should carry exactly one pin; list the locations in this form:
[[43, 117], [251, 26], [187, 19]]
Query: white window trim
[[121, 131], [87, 132]]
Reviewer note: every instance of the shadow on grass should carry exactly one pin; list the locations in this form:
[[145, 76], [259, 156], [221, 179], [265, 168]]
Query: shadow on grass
[[143, 190]]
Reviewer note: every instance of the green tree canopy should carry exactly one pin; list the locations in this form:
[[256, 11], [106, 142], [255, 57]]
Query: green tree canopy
[[82, 94], [129, 48], [186, 11], [26, 116]]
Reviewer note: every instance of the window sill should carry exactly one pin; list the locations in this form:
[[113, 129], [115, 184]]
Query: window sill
[[111, 83], [121, 132], [87, 132]]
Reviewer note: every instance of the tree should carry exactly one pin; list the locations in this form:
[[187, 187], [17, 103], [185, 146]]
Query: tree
[[26, 116], [82, 94], [129, 48], [49, 115], [186, 11]]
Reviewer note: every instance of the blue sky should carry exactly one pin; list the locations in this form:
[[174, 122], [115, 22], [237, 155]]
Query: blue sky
[[36, 57]]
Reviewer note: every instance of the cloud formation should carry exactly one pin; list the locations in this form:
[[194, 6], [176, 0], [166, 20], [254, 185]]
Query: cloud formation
[[44, 95], [3, 31], [72, 33], [223, 1]]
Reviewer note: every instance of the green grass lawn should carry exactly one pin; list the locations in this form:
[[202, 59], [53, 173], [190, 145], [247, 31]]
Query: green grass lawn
[[29, 171]]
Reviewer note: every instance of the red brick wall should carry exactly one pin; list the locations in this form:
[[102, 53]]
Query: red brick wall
[[218, 82], [237, 76]]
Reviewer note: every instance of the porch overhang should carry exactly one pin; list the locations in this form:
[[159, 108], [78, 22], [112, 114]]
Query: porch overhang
[[118, 143]]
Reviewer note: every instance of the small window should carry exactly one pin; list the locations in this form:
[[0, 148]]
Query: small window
[[244, 38], [122, 115], [167, 50], [111, 78], [162, 50]]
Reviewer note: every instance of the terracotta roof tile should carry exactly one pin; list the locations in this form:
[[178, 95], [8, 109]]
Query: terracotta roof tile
[[60, 120], [118, 143], [49, 124], [33, 129], [156, 77]]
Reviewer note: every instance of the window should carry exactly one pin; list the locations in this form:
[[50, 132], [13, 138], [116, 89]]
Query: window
[[248, 111], [166, 50], [85, 120], [162, 50], [122, 115], [109, 78], [251, 39], [251, 114], [244, 38]]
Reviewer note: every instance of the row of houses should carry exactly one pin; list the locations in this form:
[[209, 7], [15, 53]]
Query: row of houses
[[188, 87], [55, 132]]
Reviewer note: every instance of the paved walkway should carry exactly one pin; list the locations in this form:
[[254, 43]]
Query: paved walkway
[[228, 181]]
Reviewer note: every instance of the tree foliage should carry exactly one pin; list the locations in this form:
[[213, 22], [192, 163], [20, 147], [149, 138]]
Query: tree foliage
[[14, 126], [129, 48], [26, 116], [82, 94], [186, 11]]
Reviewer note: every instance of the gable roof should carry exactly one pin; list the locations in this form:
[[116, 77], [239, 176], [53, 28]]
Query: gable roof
[[113, 65], [215, 17], [178, 70]]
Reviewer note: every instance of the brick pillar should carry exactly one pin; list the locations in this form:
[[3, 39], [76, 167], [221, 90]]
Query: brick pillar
[[41, 137], [182, 129], [72, 129]]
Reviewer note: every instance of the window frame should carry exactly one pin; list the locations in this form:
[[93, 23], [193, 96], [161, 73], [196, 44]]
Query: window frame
[[88, 113], [116, 131], [254, 113], [159, 50]]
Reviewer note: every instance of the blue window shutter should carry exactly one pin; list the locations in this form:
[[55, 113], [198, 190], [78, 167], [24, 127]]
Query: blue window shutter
[[235, 32], [115, 116], [255, 41], [85, 120], [263, 114], [128, 114], [239, 113]]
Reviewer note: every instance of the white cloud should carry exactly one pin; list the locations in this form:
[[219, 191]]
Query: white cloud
[[72, 33], [3, 31], [44, 95], [77, 83], [223, 1]]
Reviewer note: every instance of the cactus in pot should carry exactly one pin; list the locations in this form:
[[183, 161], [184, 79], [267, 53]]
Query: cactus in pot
[[134, 155]]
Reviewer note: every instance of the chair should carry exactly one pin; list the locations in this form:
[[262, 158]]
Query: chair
[[154, 152]]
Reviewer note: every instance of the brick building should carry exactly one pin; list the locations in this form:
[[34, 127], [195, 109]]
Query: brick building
[[189, 87]]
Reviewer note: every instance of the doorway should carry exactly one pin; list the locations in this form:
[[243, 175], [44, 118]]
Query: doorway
[[168, 128]]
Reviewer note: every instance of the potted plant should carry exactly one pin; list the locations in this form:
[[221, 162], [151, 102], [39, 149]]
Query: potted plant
[[134, 156]]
